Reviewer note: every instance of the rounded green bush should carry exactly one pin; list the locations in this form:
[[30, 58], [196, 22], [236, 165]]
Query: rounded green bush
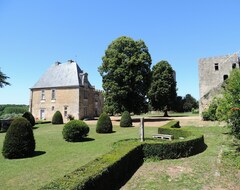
[[75, 130], [29, 117], [19, 141], [104, 124], [126, 120], [57, 118]]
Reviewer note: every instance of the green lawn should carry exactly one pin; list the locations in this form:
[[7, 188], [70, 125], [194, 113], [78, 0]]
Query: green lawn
[[208, 170], [171, 114], [60, 157], [57, 157]]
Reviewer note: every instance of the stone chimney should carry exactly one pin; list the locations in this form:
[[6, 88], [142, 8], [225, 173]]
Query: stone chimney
[[57, 63]]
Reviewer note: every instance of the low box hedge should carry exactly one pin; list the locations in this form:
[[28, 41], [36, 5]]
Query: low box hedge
[[109, 171], [113, 169], [42, 122], [172, 124], [173, 128], [172, 150]]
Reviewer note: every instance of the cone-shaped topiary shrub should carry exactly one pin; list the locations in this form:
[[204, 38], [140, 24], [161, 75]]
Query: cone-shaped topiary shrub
[[126, 120], [104, 124], [29, 117], [19, 140], [57, 118], [75, 130]]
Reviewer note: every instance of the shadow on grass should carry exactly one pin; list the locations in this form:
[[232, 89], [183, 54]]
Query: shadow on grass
[[35, 128], [107, 133], [86, 139], [37, 153], [34, 154], [128, 126]]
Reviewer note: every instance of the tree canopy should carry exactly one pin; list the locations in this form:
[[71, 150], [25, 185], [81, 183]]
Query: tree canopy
[[126, 74], [228, 107], [3, 79], [162, 93], [189, 103]]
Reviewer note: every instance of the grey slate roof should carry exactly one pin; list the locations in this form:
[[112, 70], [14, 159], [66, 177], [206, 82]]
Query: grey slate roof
[[63, 75]]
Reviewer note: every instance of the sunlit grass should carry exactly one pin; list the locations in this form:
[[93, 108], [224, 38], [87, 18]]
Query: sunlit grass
[[207, 170], [58, 157]]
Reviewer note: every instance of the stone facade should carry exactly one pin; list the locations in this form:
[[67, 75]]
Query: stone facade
[[74, 96], [212, 73]]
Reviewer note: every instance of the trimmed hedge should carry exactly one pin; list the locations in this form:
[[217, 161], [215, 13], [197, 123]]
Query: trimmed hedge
[[19, 141], [172, 124], [179, 149], [193, 143], [126, 120], [104, 124], [29, 117], [113, 169], [109, 171], [75, 130], [173, 128], [42, 122], [57, 118]]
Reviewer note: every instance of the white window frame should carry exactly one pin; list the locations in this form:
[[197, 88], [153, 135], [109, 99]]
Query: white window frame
[[43, 95], [65, 111]]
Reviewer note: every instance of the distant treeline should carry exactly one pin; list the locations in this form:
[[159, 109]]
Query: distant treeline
[[13, 108]]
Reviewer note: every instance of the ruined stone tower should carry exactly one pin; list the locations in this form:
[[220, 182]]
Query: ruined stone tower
[[212, 73]]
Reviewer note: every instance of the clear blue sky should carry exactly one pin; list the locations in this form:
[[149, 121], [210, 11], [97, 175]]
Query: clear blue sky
[[35, 34]]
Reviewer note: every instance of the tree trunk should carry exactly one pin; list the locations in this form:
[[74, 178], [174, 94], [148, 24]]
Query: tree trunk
[[165, 114], [165, 111]]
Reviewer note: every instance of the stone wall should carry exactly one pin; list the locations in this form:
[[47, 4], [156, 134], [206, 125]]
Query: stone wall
[[79, 102], [212, 73], [66, 98]]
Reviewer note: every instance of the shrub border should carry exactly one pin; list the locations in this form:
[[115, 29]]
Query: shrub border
[[113, 169]]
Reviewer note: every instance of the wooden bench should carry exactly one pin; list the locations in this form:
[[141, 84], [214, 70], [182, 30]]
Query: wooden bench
[[163, 136]]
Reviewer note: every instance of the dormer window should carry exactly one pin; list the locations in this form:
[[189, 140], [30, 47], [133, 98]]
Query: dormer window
[[216, 67]]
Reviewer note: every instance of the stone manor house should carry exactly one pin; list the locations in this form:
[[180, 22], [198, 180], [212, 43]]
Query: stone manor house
[[212, 73], [65, 87]]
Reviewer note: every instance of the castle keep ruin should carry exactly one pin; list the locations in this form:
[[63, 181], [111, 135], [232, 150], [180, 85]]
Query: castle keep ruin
[[213, 71]]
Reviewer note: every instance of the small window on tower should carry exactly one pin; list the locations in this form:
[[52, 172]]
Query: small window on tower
[[85, 95], [216, 67], [234, 65], [225, 77]]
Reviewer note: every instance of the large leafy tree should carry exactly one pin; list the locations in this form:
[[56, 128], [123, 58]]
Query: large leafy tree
[[189, 103], [228, 107], [3, 79], [162, 93], [126, 74]]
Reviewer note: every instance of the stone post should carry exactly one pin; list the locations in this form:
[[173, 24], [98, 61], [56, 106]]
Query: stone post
[[142, 129]]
